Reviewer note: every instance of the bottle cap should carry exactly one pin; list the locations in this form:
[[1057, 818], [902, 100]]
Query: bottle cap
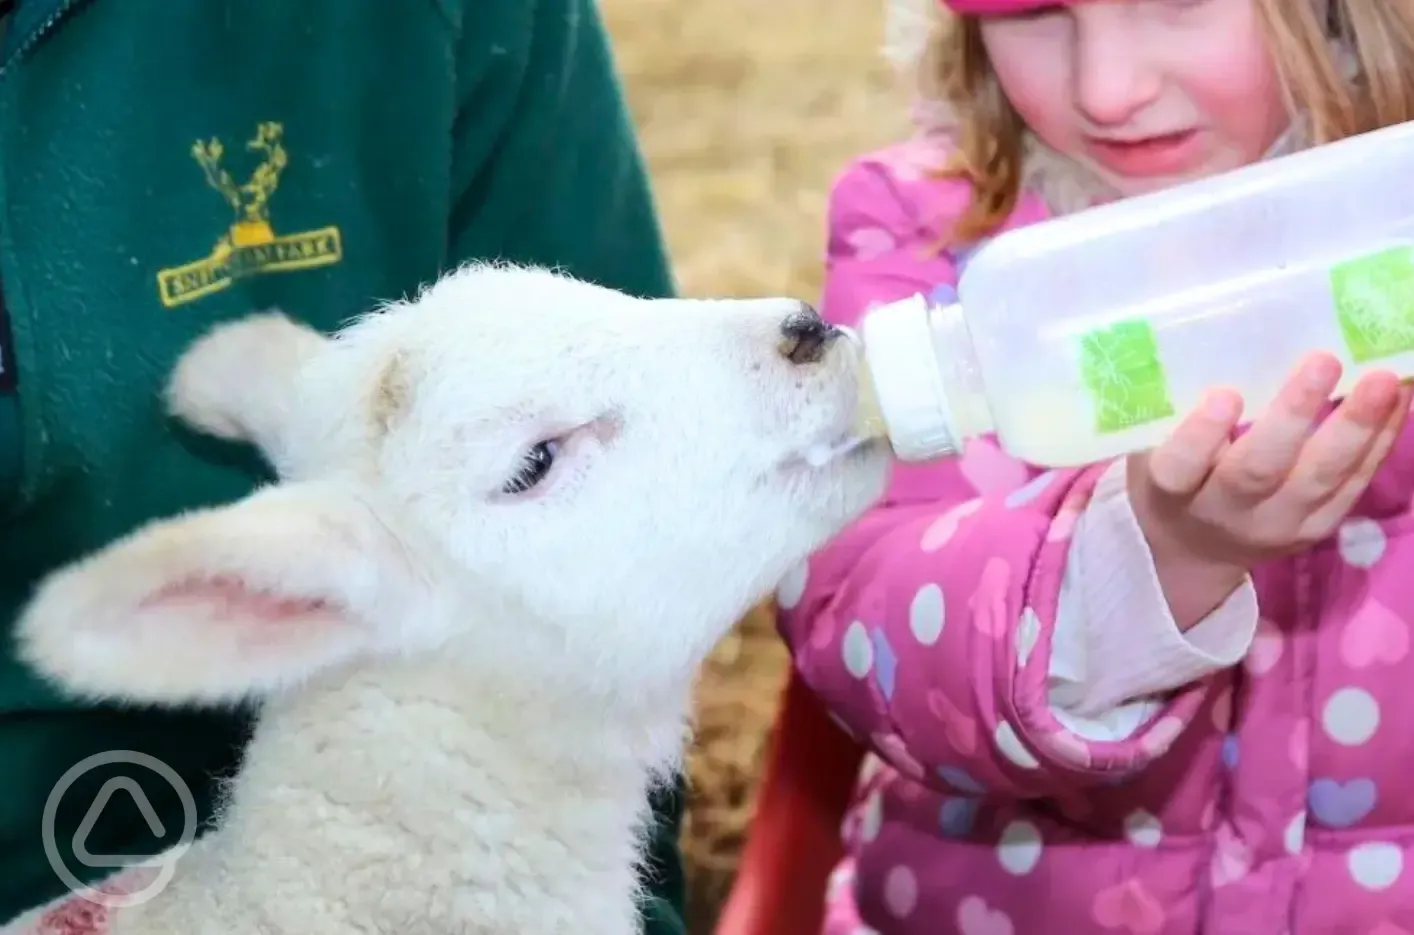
[[908, 383]]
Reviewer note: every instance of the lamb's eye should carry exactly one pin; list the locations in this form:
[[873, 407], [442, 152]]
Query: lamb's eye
[[534, 466]]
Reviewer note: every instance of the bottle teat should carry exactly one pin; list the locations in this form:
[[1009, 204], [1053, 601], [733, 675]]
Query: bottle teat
[[868, 415], [901, 392]]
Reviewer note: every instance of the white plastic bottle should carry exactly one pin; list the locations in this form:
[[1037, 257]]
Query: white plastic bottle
[[1091, 335]]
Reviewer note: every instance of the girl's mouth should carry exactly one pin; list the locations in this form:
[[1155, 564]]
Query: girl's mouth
[[1165, 154]]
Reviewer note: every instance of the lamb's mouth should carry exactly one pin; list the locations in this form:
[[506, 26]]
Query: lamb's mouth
[[823, 453]]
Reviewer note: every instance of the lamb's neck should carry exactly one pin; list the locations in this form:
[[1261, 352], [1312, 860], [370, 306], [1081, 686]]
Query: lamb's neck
[[467, 801]]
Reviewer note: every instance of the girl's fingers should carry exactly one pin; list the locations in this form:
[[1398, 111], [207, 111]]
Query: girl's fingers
[[1343, 443], [1258, 463], [1339, 503], [1180, 466]]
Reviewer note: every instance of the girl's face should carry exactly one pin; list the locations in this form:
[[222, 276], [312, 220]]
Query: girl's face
[[1147, 93]]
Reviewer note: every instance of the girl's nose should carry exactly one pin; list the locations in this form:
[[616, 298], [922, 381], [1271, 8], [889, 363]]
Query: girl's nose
[[1116, 76]]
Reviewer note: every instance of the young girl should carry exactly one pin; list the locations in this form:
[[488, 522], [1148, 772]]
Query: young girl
[[1159, 696]]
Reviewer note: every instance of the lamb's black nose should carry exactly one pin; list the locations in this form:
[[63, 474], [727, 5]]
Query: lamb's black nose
[[805, 336]]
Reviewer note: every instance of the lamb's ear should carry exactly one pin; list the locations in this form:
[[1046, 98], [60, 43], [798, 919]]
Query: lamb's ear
[[226, 603], [238, 382]]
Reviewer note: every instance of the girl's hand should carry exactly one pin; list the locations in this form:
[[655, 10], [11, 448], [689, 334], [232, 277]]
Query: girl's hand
[[1211, 508]]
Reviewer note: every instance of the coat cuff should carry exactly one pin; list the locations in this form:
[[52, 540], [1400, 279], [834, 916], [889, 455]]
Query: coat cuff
[[1125, 647]]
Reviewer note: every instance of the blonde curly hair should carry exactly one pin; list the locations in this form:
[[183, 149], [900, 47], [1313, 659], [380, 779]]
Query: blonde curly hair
[[1346, 66]]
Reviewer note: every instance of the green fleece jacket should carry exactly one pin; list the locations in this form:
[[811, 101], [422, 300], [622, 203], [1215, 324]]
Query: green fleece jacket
[[166, 164]]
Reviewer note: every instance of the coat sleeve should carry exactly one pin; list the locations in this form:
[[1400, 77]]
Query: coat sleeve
[[942, 627], [546, 167]]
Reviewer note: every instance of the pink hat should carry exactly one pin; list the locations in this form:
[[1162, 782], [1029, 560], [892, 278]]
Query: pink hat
[[998, 7]]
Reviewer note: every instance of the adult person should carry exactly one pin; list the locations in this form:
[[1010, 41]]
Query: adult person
[[164, 166]]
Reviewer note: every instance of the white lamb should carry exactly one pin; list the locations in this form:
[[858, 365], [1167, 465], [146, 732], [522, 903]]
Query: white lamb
[[514, 515]]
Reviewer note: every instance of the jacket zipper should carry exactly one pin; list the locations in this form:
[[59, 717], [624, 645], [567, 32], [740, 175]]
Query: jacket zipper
[[12, 462], [64, 8]]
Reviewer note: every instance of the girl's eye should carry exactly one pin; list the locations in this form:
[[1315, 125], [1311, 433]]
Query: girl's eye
[[534, 466]]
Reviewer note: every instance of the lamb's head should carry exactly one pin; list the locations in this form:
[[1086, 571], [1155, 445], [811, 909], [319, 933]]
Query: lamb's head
[[516, 468]]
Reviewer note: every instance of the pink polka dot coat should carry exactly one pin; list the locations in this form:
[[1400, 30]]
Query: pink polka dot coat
[[1274, 797]]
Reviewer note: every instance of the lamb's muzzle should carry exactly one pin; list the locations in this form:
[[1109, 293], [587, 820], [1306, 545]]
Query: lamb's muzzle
[[805, 336]]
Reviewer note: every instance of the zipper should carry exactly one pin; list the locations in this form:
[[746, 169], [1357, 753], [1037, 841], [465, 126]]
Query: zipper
[[11, 421], [34, 34]]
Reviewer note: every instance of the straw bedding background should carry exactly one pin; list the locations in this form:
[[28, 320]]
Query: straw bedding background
[[747, 109]]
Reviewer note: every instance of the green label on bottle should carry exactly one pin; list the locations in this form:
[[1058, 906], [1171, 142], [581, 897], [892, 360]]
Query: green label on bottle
[[1374, 303], [1120, 367]]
